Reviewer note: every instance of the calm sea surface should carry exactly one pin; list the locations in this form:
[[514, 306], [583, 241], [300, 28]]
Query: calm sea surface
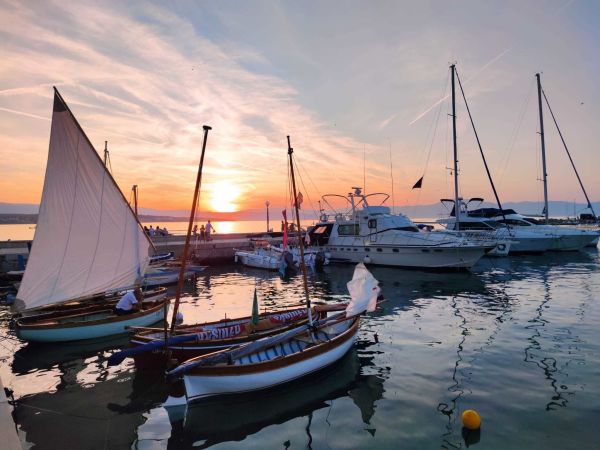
[[518, 339], [26, 231]]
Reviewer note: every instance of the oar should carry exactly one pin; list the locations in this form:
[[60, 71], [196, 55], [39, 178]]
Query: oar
[[227, 355], [117, 358]]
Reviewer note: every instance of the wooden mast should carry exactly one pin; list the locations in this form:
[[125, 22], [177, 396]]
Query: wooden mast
[[134, 188], [186, 247], [544, 173], [299, 233], [456, 203]]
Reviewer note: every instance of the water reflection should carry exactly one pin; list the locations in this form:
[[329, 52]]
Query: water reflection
[[99, 415], [234, 418], [535, 354], [513, 339]]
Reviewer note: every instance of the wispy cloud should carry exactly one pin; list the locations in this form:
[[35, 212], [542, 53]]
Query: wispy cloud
[[471, 77], [156, 83]]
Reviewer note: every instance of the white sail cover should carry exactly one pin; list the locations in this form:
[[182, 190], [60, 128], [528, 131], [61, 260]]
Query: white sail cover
[[363, 289], [87, 240]]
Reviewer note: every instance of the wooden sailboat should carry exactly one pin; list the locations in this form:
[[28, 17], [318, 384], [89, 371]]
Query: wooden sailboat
[[88, 242], [152, 348], [287, 356]]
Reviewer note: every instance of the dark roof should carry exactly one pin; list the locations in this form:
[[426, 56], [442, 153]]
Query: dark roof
[[490, 212]]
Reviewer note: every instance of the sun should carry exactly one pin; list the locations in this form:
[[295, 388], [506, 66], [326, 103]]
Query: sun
[[223, 196]]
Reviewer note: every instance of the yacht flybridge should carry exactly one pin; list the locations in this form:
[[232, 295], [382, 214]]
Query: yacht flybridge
[[522, 238], [374, 235]]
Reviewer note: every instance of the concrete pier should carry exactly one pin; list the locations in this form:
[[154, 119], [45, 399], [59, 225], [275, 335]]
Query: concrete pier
[[8, 432], [219, 250]]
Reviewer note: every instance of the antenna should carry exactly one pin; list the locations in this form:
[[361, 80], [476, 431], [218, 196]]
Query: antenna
[[365, 168]]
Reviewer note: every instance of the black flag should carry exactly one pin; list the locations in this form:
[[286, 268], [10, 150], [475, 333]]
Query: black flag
[[419, 183]]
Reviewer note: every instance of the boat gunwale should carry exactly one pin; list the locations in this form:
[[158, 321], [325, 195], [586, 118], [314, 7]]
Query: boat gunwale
[[279, 362], [44, 325]]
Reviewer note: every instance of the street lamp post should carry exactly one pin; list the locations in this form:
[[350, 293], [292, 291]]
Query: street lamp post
[[267, 203]]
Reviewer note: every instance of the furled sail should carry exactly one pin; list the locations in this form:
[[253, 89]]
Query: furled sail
[[87, 240], [364, 290]]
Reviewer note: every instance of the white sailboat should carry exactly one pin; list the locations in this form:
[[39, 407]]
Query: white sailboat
[[504, 224], [568, 239], [88, 242]]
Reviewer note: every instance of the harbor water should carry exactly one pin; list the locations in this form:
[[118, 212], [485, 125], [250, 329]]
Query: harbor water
[[517, 339]]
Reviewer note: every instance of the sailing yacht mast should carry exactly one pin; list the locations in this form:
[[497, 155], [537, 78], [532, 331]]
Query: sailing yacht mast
[[456, 203], [300, 237], [589, 204], [544, 173]]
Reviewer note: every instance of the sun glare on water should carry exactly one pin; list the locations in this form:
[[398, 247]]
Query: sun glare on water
[[223, 196]]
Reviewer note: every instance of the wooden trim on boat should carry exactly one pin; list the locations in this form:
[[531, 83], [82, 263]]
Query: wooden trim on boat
[[37, 323], [85, 303], [226, 342], [307, 353]]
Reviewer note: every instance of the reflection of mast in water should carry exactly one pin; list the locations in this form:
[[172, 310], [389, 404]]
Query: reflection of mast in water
[[444, 408], [499, 301], [547, 364]]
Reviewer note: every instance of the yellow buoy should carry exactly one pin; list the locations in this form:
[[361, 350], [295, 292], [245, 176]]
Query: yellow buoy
[[471, 419]]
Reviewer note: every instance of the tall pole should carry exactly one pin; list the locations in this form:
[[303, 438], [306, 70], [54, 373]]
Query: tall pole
[[105, 152], [456, 204], [299, 233], [589, 204], [267, 203], [186, 247], [544, 173], [135, 199]]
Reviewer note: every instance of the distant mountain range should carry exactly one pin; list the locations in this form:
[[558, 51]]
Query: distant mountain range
[[11, 213]]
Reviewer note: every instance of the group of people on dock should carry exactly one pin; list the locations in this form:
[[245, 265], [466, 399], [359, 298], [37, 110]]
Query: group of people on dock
[[152, 232], [205, 232]]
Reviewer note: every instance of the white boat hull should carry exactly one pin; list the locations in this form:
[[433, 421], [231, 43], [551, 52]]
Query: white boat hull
[[163, 279], [572, 242], [532, 244], [411, 257], [259, 261], [82, 331], [199, 387]]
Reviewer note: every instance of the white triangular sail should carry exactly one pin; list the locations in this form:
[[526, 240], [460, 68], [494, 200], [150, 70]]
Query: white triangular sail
[[363, 289], [87, 240]]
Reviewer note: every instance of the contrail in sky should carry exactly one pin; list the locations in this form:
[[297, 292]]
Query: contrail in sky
[[485, 66], [26, 114]]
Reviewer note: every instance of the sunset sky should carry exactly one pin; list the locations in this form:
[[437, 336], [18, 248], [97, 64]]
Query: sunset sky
[[343, 79]]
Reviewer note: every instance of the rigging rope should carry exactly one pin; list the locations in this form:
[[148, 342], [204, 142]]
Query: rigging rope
[[515, 134]]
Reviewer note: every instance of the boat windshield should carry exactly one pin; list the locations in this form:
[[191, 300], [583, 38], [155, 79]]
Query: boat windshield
[[516, 222], [532, 221], [493, 224]]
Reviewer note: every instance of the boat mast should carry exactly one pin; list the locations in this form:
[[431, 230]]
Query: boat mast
[[107, 162], [186, 247], [544, 173], [589, 204], [134, 189], [300, 237], [456, 204]]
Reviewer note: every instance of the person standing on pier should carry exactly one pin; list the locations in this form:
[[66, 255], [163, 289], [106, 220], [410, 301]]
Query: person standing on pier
[[202, 233], [208, 230]]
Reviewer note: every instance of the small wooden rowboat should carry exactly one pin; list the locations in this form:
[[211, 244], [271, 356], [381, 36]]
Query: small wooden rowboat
[[285, 360], [189, 341], [89, 323]]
